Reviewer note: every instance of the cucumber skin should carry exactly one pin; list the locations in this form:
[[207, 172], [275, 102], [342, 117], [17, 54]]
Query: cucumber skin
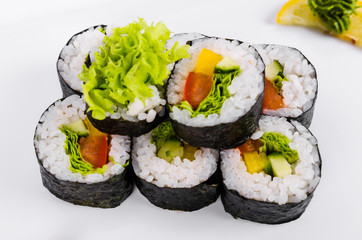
[[170, 149], [226, 65]]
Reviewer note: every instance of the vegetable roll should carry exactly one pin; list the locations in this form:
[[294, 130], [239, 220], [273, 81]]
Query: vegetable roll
[[78, 163], [219, 88], [291, 83], [75, 53], [124, 85], [271, 178], [172, 174]]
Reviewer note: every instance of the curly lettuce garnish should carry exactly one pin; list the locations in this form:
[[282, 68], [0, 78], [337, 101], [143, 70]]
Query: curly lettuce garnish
[[334, 13], [77, 163], [278, 143], [130, 60]]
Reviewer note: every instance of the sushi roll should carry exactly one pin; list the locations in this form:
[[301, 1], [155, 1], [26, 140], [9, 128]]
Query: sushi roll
[[124, 86], [219, 88], [74, 55], [272, 177], [172, 174], [291, 83], [78, 163]]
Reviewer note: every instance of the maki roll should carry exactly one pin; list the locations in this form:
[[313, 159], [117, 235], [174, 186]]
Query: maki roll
[[215, 91], [78, 163], [124, 84], [271, 178], [291, 83], [74, 54], [172, 174]]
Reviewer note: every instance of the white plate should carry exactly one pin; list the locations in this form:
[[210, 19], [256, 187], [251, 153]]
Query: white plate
[[34, 32]]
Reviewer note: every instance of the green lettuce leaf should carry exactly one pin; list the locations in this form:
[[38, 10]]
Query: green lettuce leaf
[[217, 96], [102, 30], [334, 13], [77, 163], [129, 61], [278, 143], [278, 81], [162, 133]]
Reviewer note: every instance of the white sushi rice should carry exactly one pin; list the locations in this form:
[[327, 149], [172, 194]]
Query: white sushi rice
[[49, 143], [74, 54], [180, 173], [244, 89], [262, 187], [301, 89], [138, 110]]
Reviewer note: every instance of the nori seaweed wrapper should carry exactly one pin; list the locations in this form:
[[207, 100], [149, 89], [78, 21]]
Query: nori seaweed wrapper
[[107, 194], [182, 199], [264, 212], [224, 135], [306, 117], [66, 89], [124, 127]]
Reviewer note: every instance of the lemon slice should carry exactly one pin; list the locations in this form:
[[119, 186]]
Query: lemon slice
[[297, 12]]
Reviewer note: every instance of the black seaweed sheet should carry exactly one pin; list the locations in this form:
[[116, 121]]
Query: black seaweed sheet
[[124, 127], [224, 135], [264, 212], [66, 89], [108, 194], [182, 199], [306, 117]]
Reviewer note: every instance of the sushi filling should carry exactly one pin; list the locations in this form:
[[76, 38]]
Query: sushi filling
[[270, 153], [220, 82], [162, 159], [73, 55], [291, 85], [287, 173], [75, 152]]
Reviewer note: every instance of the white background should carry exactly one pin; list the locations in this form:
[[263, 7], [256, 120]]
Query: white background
[[32, 35]]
